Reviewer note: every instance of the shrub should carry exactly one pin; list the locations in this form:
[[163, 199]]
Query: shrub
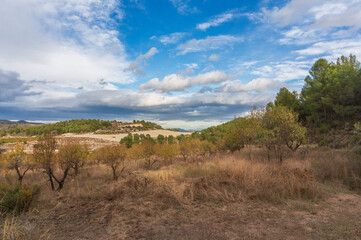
[[357, 150], [16, 199]]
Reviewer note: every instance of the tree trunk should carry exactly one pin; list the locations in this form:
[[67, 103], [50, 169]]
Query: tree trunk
[[51, 182], [114, 169]]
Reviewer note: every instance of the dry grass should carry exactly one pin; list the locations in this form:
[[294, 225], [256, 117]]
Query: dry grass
[[13, 228], [230, 179], [245, 177]]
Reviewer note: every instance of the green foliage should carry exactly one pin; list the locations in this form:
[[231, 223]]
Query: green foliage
[[287, 99], [171, 139], [332, 93], [160, 139], [147, 125], [128, 140], [243, 132], [16, 199], [136, 138], [73, 126], [281, 126]]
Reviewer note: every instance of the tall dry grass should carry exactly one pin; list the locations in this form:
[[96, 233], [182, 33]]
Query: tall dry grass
[[241, 176]]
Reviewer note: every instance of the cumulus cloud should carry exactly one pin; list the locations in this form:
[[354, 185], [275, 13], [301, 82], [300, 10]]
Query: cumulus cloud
[[257, 85], [11, 86], [177, 82], [71, 43], [216, 21], [135, 66], [208, 43]]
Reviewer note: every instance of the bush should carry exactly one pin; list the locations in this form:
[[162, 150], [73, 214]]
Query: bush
[[357, 150], [16, 199]]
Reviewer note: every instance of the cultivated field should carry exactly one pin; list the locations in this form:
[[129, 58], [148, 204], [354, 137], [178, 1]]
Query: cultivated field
[[117, 137]]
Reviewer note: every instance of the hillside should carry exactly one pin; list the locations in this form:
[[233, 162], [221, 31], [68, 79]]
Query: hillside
[[80, 126]]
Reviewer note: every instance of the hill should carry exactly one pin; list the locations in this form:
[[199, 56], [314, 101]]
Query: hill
[[82, 126]]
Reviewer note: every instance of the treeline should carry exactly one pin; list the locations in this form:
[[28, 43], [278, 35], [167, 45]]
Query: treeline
[[330, 97], [73, 126]]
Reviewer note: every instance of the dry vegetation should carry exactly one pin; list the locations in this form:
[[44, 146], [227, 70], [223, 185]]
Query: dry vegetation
[[159, 194]]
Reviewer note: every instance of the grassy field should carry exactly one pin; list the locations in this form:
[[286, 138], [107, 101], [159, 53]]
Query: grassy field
[[314, 194]]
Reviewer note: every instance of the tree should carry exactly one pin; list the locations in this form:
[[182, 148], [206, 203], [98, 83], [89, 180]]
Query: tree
[[136, 139], [160, 139], [189, 148], [167, 151], [128, 140], [19, 161], [280, 128], [113, 156], [331, 95], [287, 99], [171, 139], [243, 133], [206, 149], [71, 155], [44, 154]]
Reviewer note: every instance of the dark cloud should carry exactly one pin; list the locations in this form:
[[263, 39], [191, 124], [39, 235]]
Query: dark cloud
[[12, 87]]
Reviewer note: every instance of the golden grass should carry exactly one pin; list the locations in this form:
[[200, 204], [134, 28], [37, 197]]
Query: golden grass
[[242, 176], [12, 228]]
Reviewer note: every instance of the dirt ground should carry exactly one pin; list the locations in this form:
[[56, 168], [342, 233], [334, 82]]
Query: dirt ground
[[124, 217]]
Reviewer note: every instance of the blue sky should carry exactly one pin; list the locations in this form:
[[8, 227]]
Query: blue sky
[[181, 63]]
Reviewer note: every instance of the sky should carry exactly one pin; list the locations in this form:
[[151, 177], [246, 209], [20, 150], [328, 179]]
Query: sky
[[181, 63]]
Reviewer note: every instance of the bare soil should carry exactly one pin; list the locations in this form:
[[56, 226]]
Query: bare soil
[[142, 214]]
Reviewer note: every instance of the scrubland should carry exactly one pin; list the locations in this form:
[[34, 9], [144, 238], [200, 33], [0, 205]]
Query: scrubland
[[312, 194]]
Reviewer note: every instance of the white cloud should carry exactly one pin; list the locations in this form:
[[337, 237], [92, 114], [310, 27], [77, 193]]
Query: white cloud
[[257, 85], [216, 21], [194, 125], [172, 38], [151, 52], [214, 57], [313, 21], [135, 66], [208, 43], [284, 71], [334, 49], [69, 43], [126, 98], [177, 82], [291, 13], [183, 7]]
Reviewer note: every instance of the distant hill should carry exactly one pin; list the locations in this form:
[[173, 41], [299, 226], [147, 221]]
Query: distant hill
[[8, 122]]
